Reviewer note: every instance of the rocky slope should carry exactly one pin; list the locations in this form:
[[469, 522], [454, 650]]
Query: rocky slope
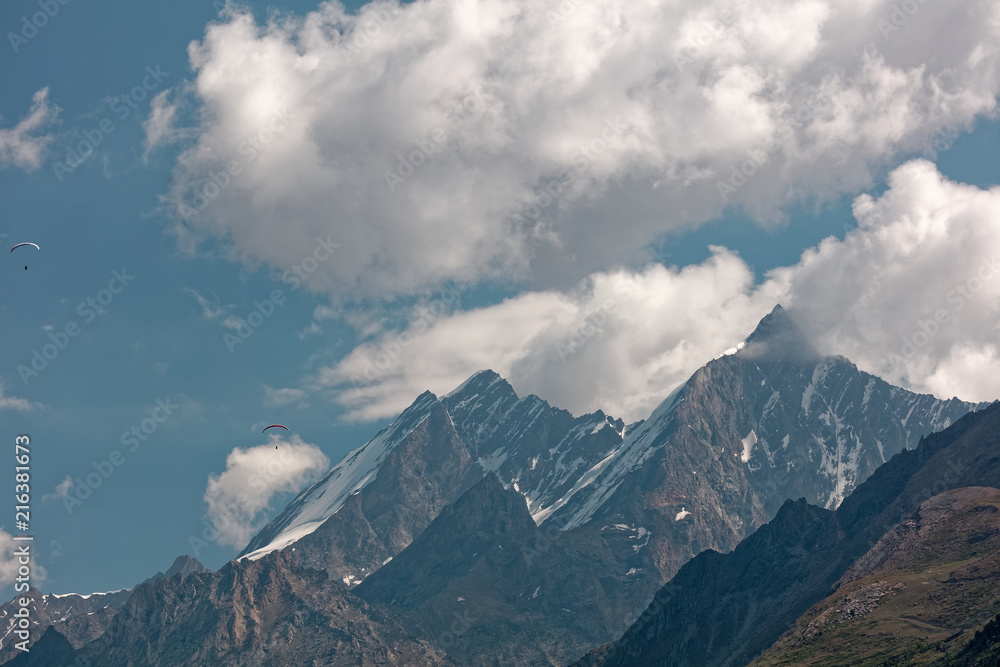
[[269, 612], [916, 598], [555, 531], [79, 618], [727, 609], [766, 421], [491, 587]]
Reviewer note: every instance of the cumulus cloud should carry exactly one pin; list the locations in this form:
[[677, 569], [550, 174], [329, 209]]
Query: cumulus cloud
[[9, 564], [24, 144], [546, 141], [913, 295], [239, 497]]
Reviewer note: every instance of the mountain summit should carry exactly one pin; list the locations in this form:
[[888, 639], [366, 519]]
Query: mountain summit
[[769, 420], [777, 337]]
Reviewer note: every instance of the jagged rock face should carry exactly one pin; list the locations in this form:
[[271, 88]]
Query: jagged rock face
[[488, 586], [78, 618], [260, 613], [429, 468], [726, 609], [913, 596], [767, 421], [51, 649], [383, 495], [983, 650]]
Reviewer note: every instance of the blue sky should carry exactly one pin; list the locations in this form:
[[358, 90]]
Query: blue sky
[[161, 338]]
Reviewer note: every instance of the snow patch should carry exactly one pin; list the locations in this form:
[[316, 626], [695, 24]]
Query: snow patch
[[748, 443], [683, 513], [88, 595], [733, 350]]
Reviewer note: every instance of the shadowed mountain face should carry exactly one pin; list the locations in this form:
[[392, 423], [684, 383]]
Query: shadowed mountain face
[[78, 618], [915, 598], [495, 527], [469, 583], [727, 609], [767, 421], [269, 612]]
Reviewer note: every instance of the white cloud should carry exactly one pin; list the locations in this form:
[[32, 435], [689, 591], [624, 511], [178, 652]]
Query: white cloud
[[618, 343], [214, 311], [61, 491], [624, 339], [14, 402], [238, 497], [9, 564], [646, 107], [24, 144], [286, 396], [160, 125], [928, 247]]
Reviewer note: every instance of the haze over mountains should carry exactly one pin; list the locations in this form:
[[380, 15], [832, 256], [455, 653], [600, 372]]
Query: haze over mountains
[[482, 527]]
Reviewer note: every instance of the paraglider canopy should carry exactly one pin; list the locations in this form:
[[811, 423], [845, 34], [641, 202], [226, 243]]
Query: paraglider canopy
[[21, 244], [276, 426]]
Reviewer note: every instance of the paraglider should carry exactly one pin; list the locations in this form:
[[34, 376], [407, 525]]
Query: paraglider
[[21, 244], [276, 426]]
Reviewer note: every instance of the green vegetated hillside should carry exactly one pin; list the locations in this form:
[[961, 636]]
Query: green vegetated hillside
[[917, 598]]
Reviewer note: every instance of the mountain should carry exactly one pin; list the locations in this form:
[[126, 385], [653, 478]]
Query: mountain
[[483, 524], [50, 649], [915, 598], [78, 618], [726, 609], [768, 420], [373, 503], [468, 582], [983, 650], [266, 612]]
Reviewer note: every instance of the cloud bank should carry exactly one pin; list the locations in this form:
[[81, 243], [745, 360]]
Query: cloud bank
[[913, 295], [543, 142]]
